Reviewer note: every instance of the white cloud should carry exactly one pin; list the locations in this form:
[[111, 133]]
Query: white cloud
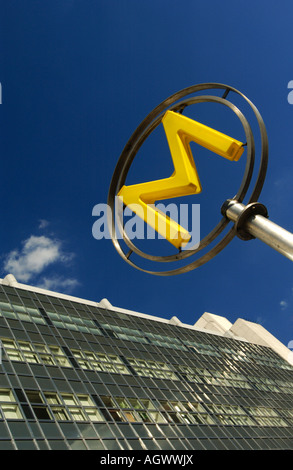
[[59, 284], [36, 254], [283, 304], [43, 223]]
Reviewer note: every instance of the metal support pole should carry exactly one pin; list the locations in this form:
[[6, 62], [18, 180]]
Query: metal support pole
[[251, 222]]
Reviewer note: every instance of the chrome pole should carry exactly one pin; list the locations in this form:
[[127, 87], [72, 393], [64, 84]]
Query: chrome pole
[[251, 221]]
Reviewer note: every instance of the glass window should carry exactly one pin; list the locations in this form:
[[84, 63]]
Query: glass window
[[77, 414], [174, 418], [186, 418], [41, 348], [90, 356], [62, 361], [116, 415], [41, 412], [69, 399], [11, 349], [157, 417], [84, 364], [60, 414], [115, 359], [6, 396], [85, 400], [94, 414], [195, 407], [96, 366], [102, 357], [177, 406], [24, 317], [52, 398], [122, 369], [8, 406], [122, 402], [109, 368], [108, 401], [11, 411], [144, 417], [31, 357], [8, 343], [5, 306], [244, 420], [14, 355], [166, 405], [77, 354], [59, 356], [203, 419], [34, 397], [148, 404], [47, 359], [136, 404], [9, 314], [130, 416]]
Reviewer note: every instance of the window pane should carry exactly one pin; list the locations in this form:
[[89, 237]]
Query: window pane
[[77, 414], [40, 348], [60, 414], [130, 416], [94, 414], [69, 399], [62, 361], [14, 355], [116, 415], [85, 400], [157, 417], [11, 412], [30, 357], [48, 360], [52, 398], [122, 369], [174, 417], [144, 417], [122, 402], [135, 403], [34, 397], [6, 396], [41, 412], [148, 404], [25, 346], [8, 343], [107, 401]]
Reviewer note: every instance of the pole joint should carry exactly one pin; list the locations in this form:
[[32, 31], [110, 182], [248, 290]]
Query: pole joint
[[240, 214]]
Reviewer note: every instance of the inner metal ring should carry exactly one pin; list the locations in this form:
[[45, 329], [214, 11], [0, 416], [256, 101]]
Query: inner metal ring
[[135, 142], [239, 196]]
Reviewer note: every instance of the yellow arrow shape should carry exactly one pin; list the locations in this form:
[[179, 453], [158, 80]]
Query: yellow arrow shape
[[180, 131]]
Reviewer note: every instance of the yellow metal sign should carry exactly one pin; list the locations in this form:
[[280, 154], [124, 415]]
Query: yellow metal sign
[[180, 131]]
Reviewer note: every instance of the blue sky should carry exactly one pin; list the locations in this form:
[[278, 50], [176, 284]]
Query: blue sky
[[77, 78]]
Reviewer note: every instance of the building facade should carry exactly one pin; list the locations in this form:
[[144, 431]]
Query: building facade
[[77, 374]]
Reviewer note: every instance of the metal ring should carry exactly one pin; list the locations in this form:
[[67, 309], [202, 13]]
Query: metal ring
[[239, 196], [254, 208], [135, 142]]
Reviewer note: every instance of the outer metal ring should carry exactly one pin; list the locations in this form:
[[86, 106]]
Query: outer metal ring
[[135, 142]]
